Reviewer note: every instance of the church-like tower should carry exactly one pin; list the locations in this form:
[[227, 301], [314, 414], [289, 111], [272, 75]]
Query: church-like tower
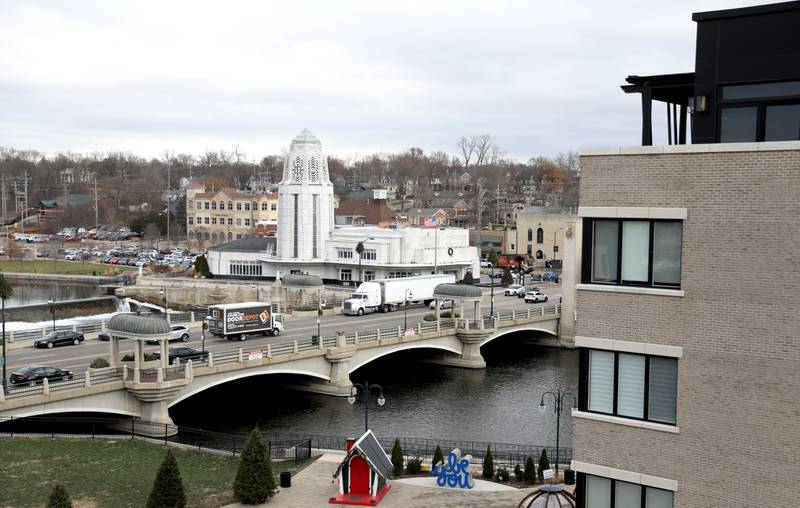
[[305, 201]]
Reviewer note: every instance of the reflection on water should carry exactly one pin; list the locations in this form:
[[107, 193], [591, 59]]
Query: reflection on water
[[40, 293], [496, 404]]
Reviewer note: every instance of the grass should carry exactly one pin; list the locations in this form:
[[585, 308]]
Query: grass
[[103, 472], [61, 267]]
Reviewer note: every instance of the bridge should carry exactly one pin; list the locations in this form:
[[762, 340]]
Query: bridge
[[147, 390]]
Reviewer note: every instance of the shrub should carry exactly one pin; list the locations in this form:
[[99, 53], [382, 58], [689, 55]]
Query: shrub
[[201, 266], [161, 268], [503, 475], [543, 464], [397, 458], [59, 498], [414, 466], [148, 357], [167, 487], [518, 474], [530, 471], [438, 456], [507, 279], [488, 464], [100, 363], [254, 481], [468, 279]]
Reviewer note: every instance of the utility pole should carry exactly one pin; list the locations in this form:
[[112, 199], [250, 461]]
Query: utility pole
[[25, 205], [95, 202], [497, 209], [169, 196]]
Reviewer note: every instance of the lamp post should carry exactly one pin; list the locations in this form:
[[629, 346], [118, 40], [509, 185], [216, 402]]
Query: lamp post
[[365, 389], [52, 305], [555, 245], [203, 334], [163, 293], [407, 295], [254, 285], [558, 399], [491, 282]]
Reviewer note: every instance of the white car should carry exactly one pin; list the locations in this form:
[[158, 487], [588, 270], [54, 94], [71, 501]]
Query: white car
[[485, 264], [445, 303], [71, 257], [176, 332], [535, 297], [512, 290]]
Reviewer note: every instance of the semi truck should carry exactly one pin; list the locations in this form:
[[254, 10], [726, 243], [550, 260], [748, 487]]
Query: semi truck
[[235, 321], [387, 295]]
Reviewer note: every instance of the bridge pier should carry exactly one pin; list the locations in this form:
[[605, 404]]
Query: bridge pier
[[339, 384], [471, 357]]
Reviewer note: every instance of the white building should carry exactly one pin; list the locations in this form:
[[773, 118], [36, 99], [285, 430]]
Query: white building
[[308, 242]]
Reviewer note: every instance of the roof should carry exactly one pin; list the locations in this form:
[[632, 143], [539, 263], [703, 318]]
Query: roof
[[253, 244], [546, 210], [296, 279], [462, 291], [72, 200], [374, 211], [673, 88], [306, 137], [746, 11], [138, 325], [236, 194], [370, 450]]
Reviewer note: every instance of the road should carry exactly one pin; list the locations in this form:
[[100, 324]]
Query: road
[[77, 358]]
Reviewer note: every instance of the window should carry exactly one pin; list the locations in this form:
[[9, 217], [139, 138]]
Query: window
[[230, 236], [247, 206], [191, 220], [206, 220], [297, 170], [230, 221], [530, 235], [314, 226], [345, 274], [369, 275], [738, 124], [599, 492], [238, 236], [214, 236], [344, 253], [238, 221], [295, 232], [399, 275], [205, 205], [207, 235], [530, 250], [782, 123], [199, 205], [213, 205], [264, 206], [313, 170], [629, 385], [632, 252], [191, 204], [273, 206], [213, 220], [222, 205], [230, 205], [247, 222], [238, 206], [759, 90], [539, 254], [369, 255], [245, 267], [539, 235]]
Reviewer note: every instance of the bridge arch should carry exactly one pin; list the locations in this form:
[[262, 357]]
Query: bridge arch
[[524, 328], [33, 412], [370, 355]]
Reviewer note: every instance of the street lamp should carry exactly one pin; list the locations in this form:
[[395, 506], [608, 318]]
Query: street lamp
[[163, 293], [254, 285], [491, 282], [408, 294], [52, 305], [558, 399], [365, 389], [555, 245]]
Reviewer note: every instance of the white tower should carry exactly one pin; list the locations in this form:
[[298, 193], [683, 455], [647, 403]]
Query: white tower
[[305, 201]]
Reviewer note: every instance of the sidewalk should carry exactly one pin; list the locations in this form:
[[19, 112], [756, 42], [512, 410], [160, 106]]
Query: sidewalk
[[312, 487]]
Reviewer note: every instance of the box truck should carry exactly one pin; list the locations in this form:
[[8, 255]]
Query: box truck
[[387, 295], [235, 321]]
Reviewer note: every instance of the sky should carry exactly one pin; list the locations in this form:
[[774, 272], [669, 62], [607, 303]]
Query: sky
[[365, 76]]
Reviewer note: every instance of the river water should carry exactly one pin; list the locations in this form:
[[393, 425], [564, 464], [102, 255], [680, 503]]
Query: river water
[[498, 404], [39, 293]]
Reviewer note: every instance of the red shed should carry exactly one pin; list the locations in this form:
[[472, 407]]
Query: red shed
[[364, 473]]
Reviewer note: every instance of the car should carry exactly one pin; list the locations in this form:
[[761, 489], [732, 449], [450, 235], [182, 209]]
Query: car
[[141, 262], [444, 303], [527, 289], [535, 297], [550, 277], [114, 261], [71, 257], [37, 373], [54, 339], [184, 353], [536, 277], [496, 275], [104, 336], [512, 290], [130, 262], [485, 264], [176, 332]]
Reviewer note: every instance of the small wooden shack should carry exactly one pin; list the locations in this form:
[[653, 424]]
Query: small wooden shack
[[364, 473]]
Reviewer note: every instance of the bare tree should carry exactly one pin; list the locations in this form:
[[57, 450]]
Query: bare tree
[[467, 147]]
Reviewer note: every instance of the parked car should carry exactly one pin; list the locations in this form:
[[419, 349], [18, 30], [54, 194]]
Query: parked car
[[527, 289], [141, 262], [54, 339], [445, 303], [550, 277], [184, 353], [512, 290], [496, 275], [485, 264], [535, 297], [176, 332], [36, 373], [71, 257], [114, 261], [104, 336]]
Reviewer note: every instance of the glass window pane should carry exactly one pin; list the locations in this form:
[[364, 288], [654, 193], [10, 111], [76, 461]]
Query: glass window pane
[[782, 123], [761, 90], [601, 381], [667, 253], [738, 125], [604, 251], [598, 492], [657, 498], [663, 392], [630, 386], [635, 250], [627, 495]]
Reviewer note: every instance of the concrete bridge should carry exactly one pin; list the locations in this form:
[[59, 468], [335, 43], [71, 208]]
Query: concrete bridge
[[147, 391]]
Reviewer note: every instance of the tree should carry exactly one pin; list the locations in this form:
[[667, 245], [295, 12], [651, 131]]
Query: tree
[[12, 248], [254, 482], [59, 498], [167, 487], [438, 456], [507, 279], [397, 458], [201, 266], [6, 292], [518, 474], [530, 471], [468, 279], [359, 251], [492, 257], [488, 464], [543, 463]]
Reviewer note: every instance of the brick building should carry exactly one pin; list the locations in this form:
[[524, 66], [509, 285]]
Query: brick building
[[216, 217]]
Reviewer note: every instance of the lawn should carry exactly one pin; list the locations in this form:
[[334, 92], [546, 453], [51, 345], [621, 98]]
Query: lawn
[[62, 267], [104, 472]]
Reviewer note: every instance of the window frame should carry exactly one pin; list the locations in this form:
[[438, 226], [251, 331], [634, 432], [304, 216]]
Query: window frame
[[761, 104], [580, 489]]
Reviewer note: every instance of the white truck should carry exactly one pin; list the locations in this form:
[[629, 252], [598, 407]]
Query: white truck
[[387, 295], [235, 321]]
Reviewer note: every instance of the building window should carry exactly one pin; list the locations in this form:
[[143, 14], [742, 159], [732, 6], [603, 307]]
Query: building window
[[191, 234], [530, 235], [539, 254], [213, 220], [238, 206], [230, 221], [247, 222], [738, 124], [345, 274], [238, 236], [230, 205], [530, 250], [369, 275], [264, 206], [539, 235], [205, 205], [629, 385], [191, 204], [297, 170], [296, 239], [315, 226], [633, 252], [238, 221], [399, 275], [245, 267], [214, 236], [600, 492], [369, 255], [222, 205], [191, 220], [313, 170], [782, 123], [273, 206], [344, 253], [230, 236], [213, 205], [199, 205], [206, 220], [247, 207]]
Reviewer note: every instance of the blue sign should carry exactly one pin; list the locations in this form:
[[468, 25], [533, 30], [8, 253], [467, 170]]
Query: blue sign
[[456, 473]]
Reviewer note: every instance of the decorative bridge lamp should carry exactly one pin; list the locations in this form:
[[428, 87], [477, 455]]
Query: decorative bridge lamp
[[52, 304], [408, 294], [558, 399], [365, 389]]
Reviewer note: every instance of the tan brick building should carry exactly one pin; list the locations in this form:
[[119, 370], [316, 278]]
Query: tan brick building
[[540, 231], [216, 217]]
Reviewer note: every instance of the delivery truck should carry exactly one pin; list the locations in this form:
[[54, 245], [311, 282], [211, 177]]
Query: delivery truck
[[387, 295], [235, 321]]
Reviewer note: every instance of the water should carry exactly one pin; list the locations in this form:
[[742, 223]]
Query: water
[[498, 404], [32, 293]]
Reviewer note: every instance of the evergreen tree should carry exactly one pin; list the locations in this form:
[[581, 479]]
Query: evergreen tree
[[167, 488], [492, 257], [438, 456], [518, 474], [530, 471], [507, 279], [468, 279], [397, 458], [254, 481], [488, 464], [543, 463], [201, 266], [59, 498]]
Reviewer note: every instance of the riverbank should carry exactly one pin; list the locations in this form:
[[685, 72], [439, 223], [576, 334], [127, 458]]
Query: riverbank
[[52, 266]]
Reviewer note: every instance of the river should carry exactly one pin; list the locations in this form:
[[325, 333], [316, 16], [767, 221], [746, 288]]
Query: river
[[423, 400], [31, 293]]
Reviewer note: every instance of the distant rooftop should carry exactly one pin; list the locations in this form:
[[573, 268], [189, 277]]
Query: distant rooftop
[[253, 244]]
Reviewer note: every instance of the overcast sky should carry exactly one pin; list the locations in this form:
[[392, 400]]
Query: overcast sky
[[365, 76]]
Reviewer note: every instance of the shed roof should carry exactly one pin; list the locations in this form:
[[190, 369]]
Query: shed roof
[[371, 450], [138, 325], [462, 291]]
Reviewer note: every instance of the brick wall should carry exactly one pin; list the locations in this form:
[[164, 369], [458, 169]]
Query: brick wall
[[739, 379]]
